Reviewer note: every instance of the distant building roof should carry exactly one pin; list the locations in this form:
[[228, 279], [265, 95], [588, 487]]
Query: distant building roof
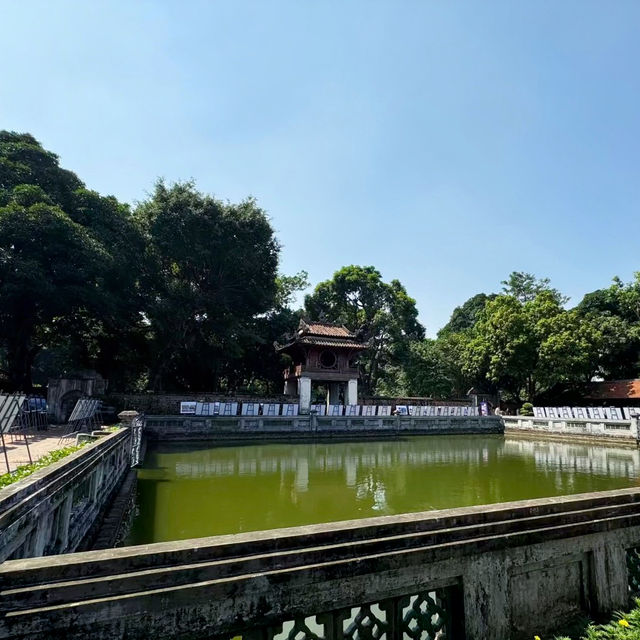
[[322, 334], [614, 390]]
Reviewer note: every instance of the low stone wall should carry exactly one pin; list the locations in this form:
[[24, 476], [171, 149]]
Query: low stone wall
[[164, 404], [569, 428], [310, 427], [51, 511], [490, 572]]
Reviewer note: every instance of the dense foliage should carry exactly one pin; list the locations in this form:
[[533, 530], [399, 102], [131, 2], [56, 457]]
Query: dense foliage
[[184, 293], [526, 343], [383, 312], [212, 270], [68, 263]]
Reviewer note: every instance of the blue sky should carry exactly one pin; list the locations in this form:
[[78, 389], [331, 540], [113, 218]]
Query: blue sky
[[446, 143]]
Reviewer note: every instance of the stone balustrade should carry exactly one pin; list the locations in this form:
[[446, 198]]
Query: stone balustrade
[[617, 429], [53, 510], [490, 572]]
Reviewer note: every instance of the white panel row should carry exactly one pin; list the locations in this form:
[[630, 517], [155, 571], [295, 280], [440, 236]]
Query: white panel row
[[84, 409], [231, 409], [352, 410], [385, 410], [586, 413], [9, 410], [441, 410]]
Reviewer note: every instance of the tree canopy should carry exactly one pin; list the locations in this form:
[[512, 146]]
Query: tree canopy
[[67, 268], [213, 271], [384, 313], [525, 287], [525, 343], [466, 315], [184, 293]]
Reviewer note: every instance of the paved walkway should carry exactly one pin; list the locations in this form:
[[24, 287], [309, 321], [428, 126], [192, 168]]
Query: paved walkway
[[40, 443]]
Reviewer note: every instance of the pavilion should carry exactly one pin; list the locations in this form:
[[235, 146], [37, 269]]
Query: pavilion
[[322, 353]]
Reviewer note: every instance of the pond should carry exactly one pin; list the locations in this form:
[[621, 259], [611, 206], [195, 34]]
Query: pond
[[194, 490]]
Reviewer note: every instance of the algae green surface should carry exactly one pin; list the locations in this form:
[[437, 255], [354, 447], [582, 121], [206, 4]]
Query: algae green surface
[[194, 490]]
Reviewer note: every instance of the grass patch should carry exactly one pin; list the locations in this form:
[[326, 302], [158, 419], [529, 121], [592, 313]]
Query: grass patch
[[27, 469]]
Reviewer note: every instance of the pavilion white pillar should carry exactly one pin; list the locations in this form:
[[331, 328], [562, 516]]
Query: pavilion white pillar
[[352, 391], [304, 391]]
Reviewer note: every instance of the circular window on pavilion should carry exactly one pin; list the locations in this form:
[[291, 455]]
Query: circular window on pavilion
[[328, 359]]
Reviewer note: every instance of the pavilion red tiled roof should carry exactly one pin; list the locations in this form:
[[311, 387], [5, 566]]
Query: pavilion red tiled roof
[[325, 329], [614, 390], [330, 342], [323, 334]]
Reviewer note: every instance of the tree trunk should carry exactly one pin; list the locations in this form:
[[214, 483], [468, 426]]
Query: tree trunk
[[531, 388], [20, 357]]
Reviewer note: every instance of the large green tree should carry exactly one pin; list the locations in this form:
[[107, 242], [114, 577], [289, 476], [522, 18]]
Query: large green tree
[[616, 313], [67, 263], [466, 315], [527, 347], [214, 269], [434, 369], [260, 368], [386, 315]]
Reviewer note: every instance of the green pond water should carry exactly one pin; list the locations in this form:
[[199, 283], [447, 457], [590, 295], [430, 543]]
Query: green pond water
[[189, 491]]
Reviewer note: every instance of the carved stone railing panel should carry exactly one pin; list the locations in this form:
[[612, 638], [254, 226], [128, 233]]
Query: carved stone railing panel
[[633, 571], [426, 615]]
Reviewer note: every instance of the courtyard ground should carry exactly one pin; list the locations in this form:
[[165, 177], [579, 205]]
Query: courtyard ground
[[40, 443]]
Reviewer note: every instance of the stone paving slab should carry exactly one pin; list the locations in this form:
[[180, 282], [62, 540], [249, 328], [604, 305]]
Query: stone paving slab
[[40, 443]]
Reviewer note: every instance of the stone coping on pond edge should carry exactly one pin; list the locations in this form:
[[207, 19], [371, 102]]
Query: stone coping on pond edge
[[355, 528], [310, 427], [54, 510], [501, 567], [36, 480], [623, 431], [576, 438]]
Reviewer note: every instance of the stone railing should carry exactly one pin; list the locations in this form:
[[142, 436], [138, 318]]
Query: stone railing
[[621, 429], [312, 426], [490, 572], [52, 510]]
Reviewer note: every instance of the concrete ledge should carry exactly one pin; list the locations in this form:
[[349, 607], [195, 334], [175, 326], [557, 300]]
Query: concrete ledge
[[530, 434], [573, 549], [312, 427], [51, 510], [572, 429]]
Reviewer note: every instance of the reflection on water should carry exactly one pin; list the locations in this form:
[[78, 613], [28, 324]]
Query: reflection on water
[[197, 490]]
